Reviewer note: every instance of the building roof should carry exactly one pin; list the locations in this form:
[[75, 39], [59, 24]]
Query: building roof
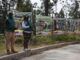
[[21, 14]]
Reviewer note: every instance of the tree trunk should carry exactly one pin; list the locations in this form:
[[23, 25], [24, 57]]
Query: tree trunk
[[46, 5]]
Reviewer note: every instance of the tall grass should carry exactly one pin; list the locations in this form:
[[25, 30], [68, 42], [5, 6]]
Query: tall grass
[[37, 40]]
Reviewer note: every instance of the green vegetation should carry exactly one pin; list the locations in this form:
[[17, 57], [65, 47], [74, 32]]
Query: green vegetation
[[2, 38], [45, 40], [40, 40], [44, 18], [24, 6]]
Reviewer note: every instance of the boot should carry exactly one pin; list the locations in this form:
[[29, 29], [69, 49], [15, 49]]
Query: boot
[[13, 51], [8, 52]]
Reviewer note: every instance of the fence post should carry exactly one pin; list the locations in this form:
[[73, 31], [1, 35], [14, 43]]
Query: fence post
[[54, 25], [52, 28], [34, 22]]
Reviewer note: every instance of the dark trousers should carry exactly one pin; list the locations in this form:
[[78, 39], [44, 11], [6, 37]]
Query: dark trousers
[[27, 37]]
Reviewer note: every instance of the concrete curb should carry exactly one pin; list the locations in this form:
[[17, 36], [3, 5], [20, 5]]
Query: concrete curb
[[27, 53], [16, 56], [41, 49]]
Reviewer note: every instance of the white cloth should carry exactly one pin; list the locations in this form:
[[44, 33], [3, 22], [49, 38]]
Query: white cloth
[[24, 26]]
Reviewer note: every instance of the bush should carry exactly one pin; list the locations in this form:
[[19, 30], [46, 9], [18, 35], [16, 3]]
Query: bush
[[45, 40], [66, 38], [2, 38], [38, 40], [19, 39]]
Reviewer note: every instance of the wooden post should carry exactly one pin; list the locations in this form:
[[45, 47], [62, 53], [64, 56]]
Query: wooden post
[[34, 22], [55, 25]]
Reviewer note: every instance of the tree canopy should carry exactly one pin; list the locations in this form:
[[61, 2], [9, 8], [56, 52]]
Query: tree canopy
[[46, 5], [24, 5]]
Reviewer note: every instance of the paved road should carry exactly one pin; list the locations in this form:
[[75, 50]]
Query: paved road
[[71, 52]]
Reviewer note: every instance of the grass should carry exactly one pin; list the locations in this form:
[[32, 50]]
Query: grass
[[39, 40], [18, 47]]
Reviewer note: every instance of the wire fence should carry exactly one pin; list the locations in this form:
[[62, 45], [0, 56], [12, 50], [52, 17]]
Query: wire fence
[[59, 24], [66, 24]]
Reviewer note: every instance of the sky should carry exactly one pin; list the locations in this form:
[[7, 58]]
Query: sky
[[59, 4], [38, 1]]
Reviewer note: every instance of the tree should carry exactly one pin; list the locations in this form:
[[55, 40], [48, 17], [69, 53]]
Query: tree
[[27, 6], [55, 1], [61, 14], [24, 7], [75, 13], [19, 5], [46, 5], [38, 11], [35, 4]]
